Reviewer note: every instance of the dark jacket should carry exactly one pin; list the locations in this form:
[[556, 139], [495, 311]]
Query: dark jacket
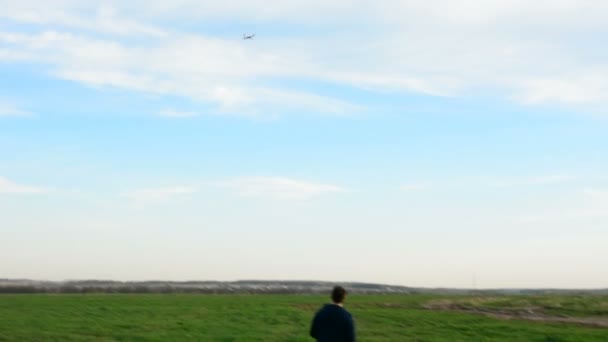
[[333, 323]]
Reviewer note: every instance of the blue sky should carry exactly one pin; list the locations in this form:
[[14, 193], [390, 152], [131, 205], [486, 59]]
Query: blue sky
[[421, 144]]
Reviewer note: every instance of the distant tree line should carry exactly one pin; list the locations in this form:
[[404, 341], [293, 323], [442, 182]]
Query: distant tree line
[[207, 287], [250, 287], [145, 289]]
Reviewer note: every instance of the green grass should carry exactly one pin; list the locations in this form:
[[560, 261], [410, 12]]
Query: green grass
[[280, 318]]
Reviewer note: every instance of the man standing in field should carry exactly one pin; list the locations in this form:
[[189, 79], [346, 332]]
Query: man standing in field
[[333, 323]]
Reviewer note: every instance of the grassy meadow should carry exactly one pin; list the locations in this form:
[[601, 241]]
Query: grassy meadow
[[142, 317]]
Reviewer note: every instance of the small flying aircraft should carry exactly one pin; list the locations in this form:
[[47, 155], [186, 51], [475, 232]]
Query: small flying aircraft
[[245, 36]]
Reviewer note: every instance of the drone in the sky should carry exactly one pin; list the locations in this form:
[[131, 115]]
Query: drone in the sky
[[246, 36]]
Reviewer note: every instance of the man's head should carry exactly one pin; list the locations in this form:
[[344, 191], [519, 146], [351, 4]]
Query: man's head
[[338, 294]]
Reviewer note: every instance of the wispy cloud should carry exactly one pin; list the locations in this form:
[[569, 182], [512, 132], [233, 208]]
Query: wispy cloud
[[493, 182], [204, 69], [10, 110], [531, 181], [105, 19], [278, 187], [9, 187], [161, 193], [591, 203], [578, 90], [534, 54]]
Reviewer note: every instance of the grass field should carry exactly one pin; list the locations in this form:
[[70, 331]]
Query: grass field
[[287, 318]]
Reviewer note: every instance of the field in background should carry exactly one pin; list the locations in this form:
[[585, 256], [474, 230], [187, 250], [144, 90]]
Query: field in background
[[141, 317]]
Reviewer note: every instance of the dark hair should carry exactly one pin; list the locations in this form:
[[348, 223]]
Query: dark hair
[[338, 294]]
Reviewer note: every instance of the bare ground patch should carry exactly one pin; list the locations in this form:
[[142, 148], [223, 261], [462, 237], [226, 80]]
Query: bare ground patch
[[529, 313]]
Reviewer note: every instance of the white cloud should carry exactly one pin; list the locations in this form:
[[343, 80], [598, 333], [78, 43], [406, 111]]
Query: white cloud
[[184, 10], [278, 187], [201, 68], [9, 187], [161, 193], [539, 53], [568, 90], [103, 18]]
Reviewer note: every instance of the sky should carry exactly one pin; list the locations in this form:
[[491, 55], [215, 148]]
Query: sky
[[421, 143]]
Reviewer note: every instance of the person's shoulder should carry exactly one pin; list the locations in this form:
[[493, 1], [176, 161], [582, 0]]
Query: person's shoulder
[[346, 313], [324, 308]]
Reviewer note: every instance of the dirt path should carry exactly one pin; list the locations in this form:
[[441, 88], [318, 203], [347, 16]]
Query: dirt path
[[529, 315]]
